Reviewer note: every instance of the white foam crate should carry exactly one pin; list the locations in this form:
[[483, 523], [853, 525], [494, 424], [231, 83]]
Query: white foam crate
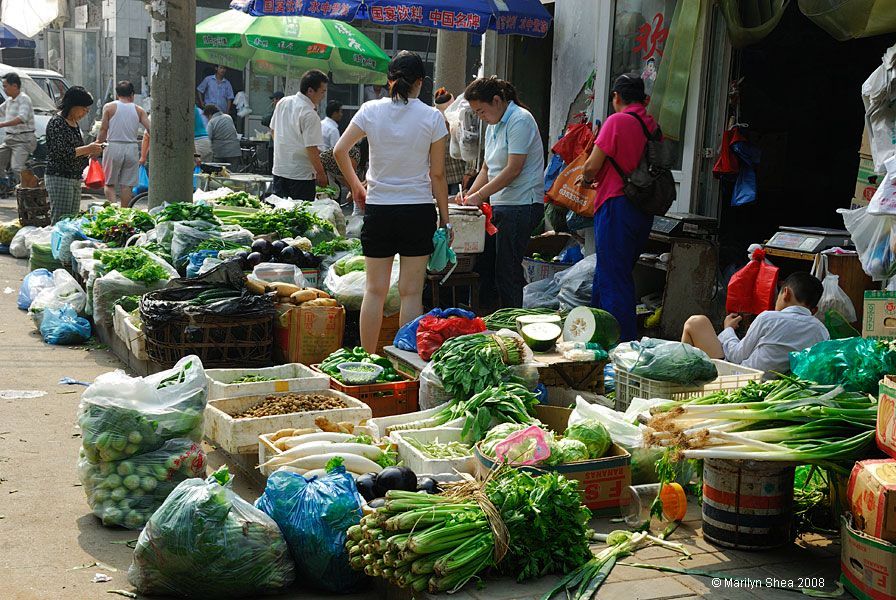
[[379, 425], [129, 333], [731, 377], [240, 436], [422, 464], [267, 450], [292, 377]]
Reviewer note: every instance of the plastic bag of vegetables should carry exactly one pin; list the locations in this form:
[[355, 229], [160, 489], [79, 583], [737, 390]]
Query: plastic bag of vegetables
[[314, 516], [349, 287], [121, 416], [207, 542], [662, 360], [127, 492], [65, 290]]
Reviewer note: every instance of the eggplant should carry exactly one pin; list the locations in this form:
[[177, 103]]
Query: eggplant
[[277, 247], [365, 484], [262, 246], [390, 478], [289, 254], [377, 503], [428, 485], [408, 479], [254, 259]]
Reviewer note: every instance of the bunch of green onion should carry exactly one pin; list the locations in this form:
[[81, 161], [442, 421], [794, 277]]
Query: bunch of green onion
[[785, 420]]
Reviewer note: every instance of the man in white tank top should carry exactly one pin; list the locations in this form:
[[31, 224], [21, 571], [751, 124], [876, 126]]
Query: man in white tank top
[[123, 155]]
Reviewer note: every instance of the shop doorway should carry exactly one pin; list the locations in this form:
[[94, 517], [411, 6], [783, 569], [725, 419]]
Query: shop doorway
[[800, 101]]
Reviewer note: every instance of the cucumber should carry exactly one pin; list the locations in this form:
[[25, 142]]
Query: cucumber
[[541, 337], [585, 324]]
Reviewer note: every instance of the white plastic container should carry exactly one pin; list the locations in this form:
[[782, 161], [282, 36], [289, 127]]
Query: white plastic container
[[292, 377], [129, 333], [380, 425], [468, 223], [421, 464]]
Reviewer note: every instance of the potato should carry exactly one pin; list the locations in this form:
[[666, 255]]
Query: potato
[[285, 289], [303, 296]]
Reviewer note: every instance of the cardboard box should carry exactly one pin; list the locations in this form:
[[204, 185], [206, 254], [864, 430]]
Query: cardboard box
[[879, 315], [603, 482], [867, 564], [865, 149], [885, 432], [866, 182], [872, 497], [308, 334]]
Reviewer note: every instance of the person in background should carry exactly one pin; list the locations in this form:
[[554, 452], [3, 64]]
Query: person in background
[[215, 89], [123, 156], [18, 121], [407, 169], [223, 136], [512, 178], [297, 135], [67, 154], [330, 125], [201, 143], [375, 92], [791, 327], [621, 229], [454, 168], [275, 98]]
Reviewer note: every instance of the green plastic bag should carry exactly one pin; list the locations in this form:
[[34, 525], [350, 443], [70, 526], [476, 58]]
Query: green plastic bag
[[838, 327], [856, 363]]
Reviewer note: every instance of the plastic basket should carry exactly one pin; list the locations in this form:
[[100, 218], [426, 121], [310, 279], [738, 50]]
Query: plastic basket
[[731, 377], [384, 399], [536, 270]]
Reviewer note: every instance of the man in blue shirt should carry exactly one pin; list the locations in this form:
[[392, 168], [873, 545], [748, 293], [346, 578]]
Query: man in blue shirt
[[215, 89]]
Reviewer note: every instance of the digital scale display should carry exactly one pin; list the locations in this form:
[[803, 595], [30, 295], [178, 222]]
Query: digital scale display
[[810, 240]]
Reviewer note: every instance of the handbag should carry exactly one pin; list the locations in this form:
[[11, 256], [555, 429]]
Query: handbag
[[569, 192], [95, 178]]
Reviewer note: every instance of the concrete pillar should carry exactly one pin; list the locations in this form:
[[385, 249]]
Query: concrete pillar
[[451, 61], [495, 55], [173, 84]]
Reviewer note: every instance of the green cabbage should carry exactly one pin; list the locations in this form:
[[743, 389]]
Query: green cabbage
[[497, 435], [569, 450], [349, 264], [593, 434]]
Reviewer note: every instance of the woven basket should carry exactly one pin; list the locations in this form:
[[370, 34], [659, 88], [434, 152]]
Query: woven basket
[[219, 341], [34, 206]]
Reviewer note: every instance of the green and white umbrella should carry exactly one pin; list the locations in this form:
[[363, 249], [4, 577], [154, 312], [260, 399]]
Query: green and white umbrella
[[290, 46]]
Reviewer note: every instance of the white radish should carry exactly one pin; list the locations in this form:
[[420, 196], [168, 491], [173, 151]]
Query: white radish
[[293, 470], [352, 462], [320, 436], [312, 448]]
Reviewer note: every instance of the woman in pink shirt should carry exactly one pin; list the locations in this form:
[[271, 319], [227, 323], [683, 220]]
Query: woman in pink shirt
[[621, 229]]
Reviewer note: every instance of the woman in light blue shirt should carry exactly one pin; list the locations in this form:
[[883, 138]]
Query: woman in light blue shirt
[[512, 179]]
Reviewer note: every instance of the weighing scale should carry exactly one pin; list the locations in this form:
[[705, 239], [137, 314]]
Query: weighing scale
[[685, 224], [810, 240]]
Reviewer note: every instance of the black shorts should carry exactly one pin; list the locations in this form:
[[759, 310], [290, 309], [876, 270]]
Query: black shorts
[[403, 229]]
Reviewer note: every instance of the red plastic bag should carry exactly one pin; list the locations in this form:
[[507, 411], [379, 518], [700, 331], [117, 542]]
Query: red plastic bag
[[728, 164], [753, 289], [432, 332], [95, 178], [578, 138]]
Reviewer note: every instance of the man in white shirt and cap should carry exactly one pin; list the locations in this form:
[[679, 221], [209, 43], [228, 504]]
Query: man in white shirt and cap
[[18, 121], [297, 135], [791, 327]]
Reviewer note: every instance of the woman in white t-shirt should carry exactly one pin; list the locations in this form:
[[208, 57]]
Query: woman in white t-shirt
[[407, 169]]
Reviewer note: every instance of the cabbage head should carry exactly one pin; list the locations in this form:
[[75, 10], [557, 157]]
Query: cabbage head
[[566, 451], [593, 434], [498, 434]]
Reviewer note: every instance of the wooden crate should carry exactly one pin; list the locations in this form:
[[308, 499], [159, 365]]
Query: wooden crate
[[588, 376], [240, 436]]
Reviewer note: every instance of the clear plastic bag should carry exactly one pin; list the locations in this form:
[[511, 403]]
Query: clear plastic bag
[[205, 541], [186, 235], [277, 272], [576, 283], [874, 240], [17, 246], [349, 289], [64, 233], [834, 298], [113, 285], [65, 290], [127, 492], [121, 416], [431, 392], [544, 293], [314, 516], [329, 210], [63, 327], [663, 360], [32, 285]]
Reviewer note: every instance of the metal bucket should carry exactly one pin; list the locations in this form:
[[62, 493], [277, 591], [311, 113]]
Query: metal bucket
[[748, 505]]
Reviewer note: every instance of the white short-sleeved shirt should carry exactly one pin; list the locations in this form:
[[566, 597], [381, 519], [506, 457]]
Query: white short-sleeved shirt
[[516, 133], [330, 129], [400, 137], [20, 106], [296, 127]]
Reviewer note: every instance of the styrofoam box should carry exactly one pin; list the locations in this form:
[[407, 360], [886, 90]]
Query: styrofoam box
[[379, 425], [240, 436], [422, 464], [267, 450], [129, 333], [292, 377], [469, 230]]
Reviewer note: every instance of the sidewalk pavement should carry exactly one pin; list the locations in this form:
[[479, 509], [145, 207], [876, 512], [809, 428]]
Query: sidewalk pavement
[[48, 535]]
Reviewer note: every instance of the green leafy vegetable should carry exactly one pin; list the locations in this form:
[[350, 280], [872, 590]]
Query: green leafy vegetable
[[253, 379], [132, 262], [285, 223], [472, 363], [240, 199], [116, 225], [186, 211], [331, 247]]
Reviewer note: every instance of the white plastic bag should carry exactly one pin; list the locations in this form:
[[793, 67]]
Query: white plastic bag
[[65, 290], [17, 246], [329, 210], [113, 285], [872, 235], [832, 296], [884, 200], [431, 393], [349, 289], [879, 97], [277, 273]]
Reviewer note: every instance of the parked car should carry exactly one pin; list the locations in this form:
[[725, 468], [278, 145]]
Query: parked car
[[53, 83], [44, 107]]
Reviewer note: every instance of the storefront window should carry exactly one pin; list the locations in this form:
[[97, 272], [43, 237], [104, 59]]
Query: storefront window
[[640, 31]]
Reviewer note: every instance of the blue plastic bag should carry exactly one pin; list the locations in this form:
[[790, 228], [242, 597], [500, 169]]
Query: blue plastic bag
[[33, 283], [64, 233], [63, 327], [196, 260], [554, 168], [313, 516], [406, 338], [142, 181]]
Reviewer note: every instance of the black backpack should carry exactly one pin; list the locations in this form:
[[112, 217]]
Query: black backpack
[[651, 186]]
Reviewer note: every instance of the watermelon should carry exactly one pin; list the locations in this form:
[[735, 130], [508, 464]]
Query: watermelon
[[541, 337], [591, 325]]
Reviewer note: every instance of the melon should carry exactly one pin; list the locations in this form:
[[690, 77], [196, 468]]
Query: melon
[[591, 325], [530, 319], [541, 337]]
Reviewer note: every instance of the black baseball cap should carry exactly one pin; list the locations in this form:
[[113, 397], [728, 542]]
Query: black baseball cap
[[278, 95], [631, 87]]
